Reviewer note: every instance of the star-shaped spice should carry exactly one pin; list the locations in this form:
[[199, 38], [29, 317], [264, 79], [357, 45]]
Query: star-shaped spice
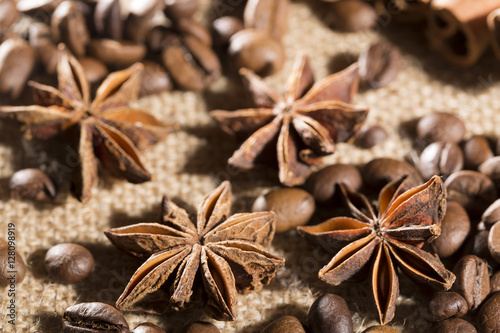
[[296, 130], [227, 253], [109, 130], [408, 216]]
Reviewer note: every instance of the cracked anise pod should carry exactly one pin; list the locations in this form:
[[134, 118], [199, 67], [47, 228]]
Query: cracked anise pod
[[109, 130], [409, 216], [299, 128], [222, 253]]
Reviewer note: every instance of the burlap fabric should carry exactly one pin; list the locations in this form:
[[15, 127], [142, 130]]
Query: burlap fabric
[[191, 162]]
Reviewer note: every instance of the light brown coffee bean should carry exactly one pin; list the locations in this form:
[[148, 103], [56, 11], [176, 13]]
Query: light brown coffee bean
[[148, 328], [380, 329], [8, 13], [489, 315], [31, 184], [40, 40], [380, 171], [68, 25], [69, 262], [267, 16], [448, 304], [440, 158], [492, 214], [329, 314], [94, 69], [454, 325], [155, 79], [370, 136], [293, 207], [257, 51], [285, 324], [352, 15], [201, 327], [440, 126], [93, 318], [455, 228], [473, 190], [108, 19], [322, 184], [473, 280], [12, 266], [224, 28], [476, 151], [180, 9], [17, 60], [495, 282], [491, 168], [380, 64], [187, 27], [494, 241], [114, 52]]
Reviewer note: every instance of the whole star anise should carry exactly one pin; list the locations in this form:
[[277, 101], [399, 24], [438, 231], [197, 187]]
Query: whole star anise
[[109, 129], [297, 129], [408, 216], [228, 254]]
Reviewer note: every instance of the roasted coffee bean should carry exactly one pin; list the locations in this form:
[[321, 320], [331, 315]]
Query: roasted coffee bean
[[192, 28], [293, 207], [455, 228], [257, 51], [322, 184], [446, 305], [380, 171], [180, 9], [69, 262], [473, 280], [370, 136], [489, 315], [192, 64], [494, 241], [492, 214], [285, 324], [114, 52], [267, 16], [94, 318], [95, 70], [380, 64], [8, 13], [440, 158], [491, 168], [7, 265], [28, 6], [495, 282], [32, 184], [17, 60], [440, 126], [352, 15], [40, 40], [155, 79], [148, 328], [478, 246], [108, 19], [224, 28], [68, 25], [473, 190], [201, 327], [329, 313], [380, 329], [454, 325], [140, 18], [497, 148], [476, 151]]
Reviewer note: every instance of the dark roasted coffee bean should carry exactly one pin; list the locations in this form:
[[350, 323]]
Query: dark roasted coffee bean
[[492, 214], [454, 325], [114, 52], [155, 79], [494, 241], [478, 246], [491, 168], [32, 184], [200, 327], [380, 171], [497, 148], [473, 280], [40, 40], [148, 328], [329, 313], [455, 228], [192, 64], [440, 126], [68, 25], [140, 19], [17, 60], [293, 207], [108, 19], [476, 151], [495, 282], [380, 64], [257, 51], [380, 329], [267, 16], [440, 158], [192, 28], [180, 9], [351, 15], [94, 318], [489, 315], [95, 70], [473, 190], [285, 324], [8, 13], [322, 184], [224, 28], [370, 136], [69, 262], [446, 305], [10, 261]]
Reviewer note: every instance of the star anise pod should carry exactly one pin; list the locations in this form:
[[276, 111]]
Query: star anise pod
[[299, 128], [109, 130], [408, 216], [228, 253]]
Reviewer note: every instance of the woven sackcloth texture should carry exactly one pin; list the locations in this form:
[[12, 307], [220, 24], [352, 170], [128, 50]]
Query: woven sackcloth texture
[[189, 163]]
